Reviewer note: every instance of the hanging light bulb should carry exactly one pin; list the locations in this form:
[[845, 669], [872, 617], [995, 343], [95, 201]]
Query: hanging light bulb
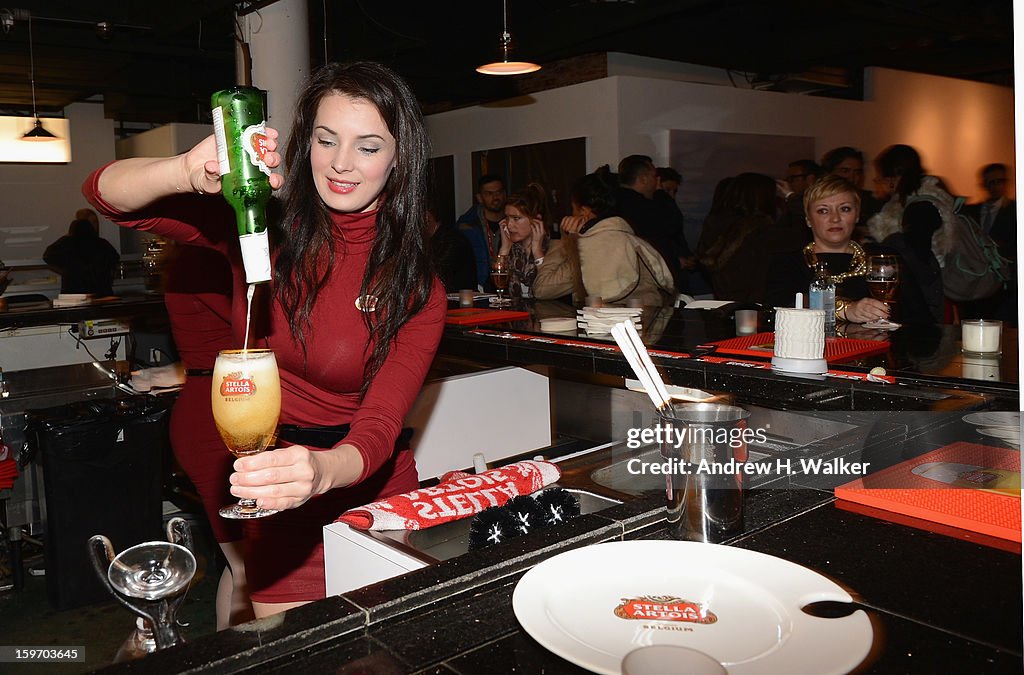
[[506, 67], [37, 133]]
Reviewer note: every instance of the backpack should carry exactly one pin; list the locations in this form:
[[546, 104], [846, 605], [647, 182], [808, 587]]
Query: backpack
[[974, 270]]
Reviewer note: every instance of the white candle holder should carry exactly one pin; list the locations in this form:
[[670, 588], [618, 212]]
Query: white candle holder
[[981, 336]]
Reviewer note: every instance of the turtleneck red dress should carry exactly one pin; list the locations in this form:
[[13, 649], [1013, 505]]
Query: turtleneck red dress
[[319, 387]]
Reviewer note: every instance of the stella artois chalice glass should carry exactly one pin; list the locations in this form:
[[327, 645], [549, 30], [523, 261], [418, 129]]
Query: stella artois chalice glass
[[246, 406]]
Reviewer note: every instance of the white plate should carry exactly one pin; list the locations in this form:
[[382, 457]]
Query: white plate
[[994, 419], [573, 604]]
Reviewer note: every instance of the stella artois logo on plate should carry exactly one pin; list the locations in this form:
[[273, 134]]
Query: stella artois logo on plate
[[664, 608], [236, 384]]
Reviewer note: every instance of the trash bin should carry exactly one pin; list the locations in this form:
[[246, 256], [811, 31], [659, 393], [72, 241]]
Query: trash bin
[[102, 469]]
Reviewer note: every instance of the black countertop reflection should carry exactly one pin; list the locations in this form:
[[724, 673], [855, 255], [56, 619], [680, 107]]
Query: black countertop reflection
[[937, 603], [926, 360]]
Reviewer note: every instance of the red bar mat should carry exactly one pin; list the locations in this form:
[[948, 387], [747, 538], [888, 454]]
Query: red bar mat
[[763, 345], [899, 490], [476, 315]]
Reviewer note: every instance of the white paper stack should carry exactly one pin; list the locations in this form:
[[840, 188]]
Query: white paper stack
[[599, 320], [72, 300]]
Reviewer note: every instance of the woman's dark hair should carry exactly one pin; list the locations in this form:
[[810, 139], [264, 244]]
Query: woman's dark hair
[[398, 271], [903, 163], [751, 194], [532, 200], [921, 219], [837, 156], [596, 191]]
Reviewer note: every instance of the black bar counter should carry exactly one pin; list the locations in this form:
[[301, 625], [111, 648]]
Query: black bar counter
[[937, 603], [929, 369], [940, 599]]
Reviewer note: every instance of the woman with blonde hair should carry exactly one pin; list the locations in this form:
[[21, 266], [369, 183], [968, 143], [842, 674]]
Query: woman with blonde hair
[[832, 207]]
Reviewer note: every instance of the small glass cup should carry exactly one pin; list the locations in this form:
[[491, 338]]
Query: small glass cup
[[746, 321], [981, 336]]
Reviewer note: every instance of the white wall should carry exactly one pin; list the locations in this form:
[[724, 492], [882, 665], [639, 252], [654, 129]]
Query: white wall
[[957, 125], [46, 196], [163, 141]]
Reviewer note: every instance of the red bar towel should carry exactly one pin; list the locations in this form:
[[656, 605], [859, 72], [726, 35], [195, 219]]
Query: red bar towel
[[458, 495]]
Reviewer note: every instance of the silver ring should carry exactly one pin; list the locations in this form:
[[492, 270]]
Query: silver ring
[[200, 191]]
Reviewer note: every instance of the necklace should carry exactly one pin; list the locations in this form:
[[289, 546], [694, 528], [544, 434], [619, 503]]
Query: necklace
[[858, 263]]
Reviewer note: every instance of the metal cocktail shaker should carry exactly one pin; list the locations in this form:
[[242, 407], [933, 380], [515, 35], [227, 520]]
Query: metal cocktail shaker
[[706, 446]]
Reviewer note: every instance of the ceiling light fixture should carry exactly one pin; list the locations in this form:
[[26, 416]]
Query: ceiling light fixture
[[506, 67], [37, 133]]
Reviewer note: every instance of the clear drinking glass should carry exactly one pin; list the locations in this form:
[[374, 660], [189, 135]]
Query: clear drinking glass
[[500, 272], [246, 400], [883, 279]]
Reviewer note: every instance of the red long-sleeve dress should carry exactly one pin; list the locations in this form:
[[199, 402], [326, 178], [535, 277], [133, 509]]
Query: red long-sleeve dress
[[284, 552], [197, 294]]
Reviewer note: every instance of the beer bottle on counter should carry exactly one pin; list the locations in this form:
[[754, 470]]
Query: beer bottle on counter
[[239, 125]]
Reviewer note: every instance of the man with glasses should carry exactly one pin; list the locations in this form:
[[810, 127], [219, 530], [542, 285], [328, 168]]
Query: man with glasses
[[480, 224]]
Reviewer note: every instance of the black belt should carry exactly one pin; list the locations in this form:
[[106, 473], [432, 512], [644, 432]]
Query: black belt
[[199, 372], [328, 437]]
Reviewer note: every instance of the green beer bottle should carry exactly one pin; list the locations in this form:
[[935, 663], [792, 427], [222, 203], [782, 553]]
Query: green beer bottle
[[239, 125]]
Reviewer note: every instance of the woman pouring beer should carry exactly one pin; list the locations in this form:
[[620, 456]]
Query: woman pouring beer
[[354, 316]]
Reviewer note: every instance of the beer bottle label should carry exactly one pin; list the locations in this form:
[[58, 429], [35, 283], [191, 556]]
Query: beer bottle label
[[222, 141], [255, 256], [254, 141]]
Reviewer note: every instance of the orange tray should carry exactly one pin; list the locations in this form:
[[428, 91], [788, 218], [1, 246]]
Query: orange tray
[[477, 315], [763, 344], [900, 491]]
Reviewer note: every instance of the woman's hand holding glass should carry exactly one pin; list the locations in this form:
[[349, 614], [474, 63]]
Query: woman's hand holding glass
[[866, 310], [883, 279], [287, 477]]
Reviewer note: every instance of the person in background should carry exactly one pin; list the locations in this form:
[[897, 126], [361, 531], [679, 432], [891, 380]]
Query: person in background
[[848, 163], [354, 313], [652, 219], [902, 177], [525, 234], [920, 298], [599, 255], [668, 180], [800, 175], [90, 215], [451, 252], [197, 294], [736, 244], [997, 217], [832, 207], [85, 261], [480, 224]]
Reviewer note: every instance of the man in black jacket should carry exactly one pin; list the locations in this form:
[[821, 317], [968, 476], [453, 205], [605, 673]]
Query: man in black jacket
[[653, 220]]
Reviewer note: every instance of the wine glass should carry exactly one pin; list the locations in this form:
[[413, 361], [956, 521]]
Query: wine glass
[[151, 580], [246, 400], [883, 279], [500, 272]]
